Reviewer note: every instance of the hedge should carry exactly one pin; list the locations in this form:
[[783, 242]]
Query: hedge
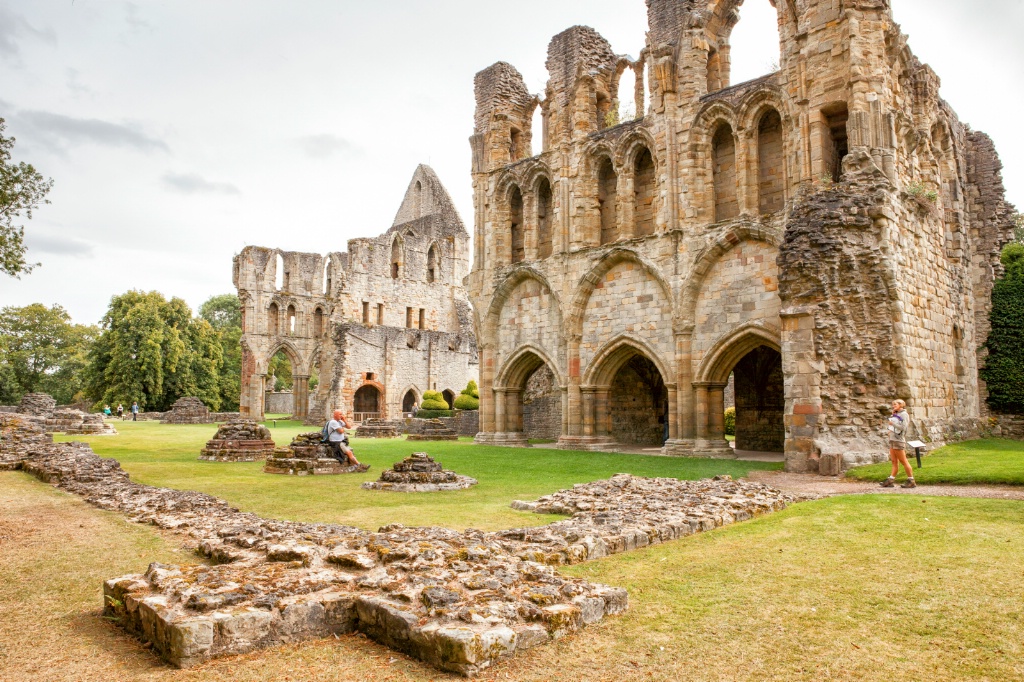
[[1004, 367], [433, 414]]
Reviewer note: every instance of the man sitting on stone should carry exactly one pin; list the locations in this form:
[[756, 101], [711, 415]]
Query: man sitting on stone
[[337, 439]]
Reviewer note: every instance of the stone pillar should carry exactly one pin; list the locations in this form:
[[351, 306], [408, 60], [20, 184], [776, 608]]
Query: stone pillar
[[300, 396], [602, 412], [487, 402], [588, 410], [572, 407], [681, 407], [700, 409], [803, 372], [500, 418], [716, 412], [513, 411]]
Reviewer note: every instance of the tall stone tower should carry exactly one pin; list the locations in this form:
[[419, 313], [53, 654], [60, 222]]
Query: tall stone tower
[[826, 235]]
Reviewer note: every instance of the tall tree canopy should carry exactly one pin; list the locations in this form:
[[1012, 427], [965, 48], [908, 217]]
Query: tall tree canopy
[[1004, 367], [154, 351], [22, 190], [41, 350], [224, 313]]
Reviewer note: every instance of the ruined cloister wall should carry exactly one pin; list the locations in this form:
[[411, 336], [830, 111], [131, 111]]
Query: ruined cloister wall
[[835, 211], [380, 292]]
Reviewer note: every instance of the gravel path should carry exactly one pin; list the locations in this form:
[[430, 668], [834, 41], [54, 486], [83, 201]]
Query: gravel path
[[832, 485]]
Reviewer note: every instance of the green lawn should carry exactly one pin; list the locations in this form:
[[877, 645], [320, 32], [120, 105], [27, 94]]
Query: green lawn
[[166, 455], [973, 462]]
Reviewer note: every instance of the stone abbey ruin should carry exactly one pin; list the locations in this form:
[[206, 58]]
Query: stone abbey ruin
[[827, 234], [380, 324]]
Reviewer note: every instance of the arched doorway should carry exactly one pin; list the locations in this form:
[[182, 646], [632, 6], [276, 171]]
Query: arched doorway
[[408, 401], [760, 401], [366, 404], [449, 397], [510, 392], [625, 399]]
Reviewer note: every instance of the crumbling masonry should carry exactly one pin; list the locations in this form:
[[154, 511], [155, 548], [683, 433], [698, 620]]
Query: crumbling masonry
[[380, 324], [827, 234]]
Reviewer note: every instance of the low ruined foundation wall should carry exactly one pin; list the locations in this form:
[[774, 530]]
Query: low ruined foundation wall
[[1008, 426]]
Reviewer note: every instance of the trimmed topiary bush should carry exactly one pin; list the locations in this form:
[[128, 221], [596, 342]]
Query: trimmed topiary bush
[[434, 414], [730, 421], [432, 400], [469, 398]]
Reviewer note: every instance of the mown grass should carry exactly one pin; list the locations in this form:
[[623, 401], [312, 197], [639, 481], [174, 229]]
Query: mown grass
[[973, 462], [872, 588], [166, 455]]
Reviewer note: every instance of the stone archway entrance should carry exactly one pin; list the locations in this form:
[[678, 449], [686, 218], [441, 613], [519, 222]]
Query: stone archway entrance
[[754, 360], [760, 401], [366, 404], [449, 397], [408, 401], [509, 394], [625, 400]]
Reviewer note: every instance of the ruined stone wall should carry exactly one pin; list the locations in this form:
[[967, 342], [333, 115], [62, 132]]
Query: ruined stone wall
[[542, 406], [407, 281], [835, 211]]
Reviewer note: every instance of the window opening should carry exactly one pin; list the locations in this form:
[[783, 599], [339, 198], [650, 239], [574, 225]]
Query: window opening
[[627, 96], [835, 146], [643, 193], [366, 312], [423, 318], [754, 43], [723, 152], [327, 277], [544, 246], [516, 226], [515, 145], [318, 322], [272, 319], [770, 160], [432, 263], [607, 188], [408, 318], [397, 257], [380, 314], [291, 319], [279, 273], [538, 134]]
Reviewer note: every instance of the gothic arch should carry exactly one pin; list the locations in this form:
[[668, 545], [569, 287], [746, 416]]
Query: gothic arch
[[288, 349], [615, 353], [518, 367], [709, 118], [750, 110], [501, 293], [594, 153], [720, 360], [587, 284], [630, 146], [689, 293]]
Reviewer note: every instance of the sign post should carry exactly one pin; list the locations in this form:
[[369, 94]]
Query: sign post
[[918, 446]]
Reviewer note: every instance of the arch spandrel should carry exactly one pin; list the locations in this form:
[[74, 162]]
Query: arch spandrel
[[525, 304], [622, 293], [521, 364], [610, 358]]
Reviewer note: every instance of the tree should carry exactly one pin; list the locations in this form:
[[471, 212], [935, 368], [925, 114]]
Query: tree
[[22, 190], [152, 350], [42, 351], [1004, 367], [224, 313]]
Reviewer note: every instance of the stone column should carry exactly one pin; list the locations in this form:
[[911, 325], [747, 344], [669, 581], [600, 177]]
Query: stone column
[[513, 411], [588, 410], [572, 406], [682, 430], [700, 409], [300, 397], [602, 412], [673, 421], [500, 418], [487, 402], [716, 412]]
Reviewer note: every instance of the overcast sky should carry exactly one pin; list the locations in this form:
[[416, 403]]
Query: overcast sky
[[178, 131]]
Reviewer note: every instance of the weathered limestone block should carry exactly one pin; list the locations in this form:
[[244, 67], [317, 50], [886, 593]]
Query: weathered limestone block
[[434, 429], [242, 440], [37, 404], [419, 473], [188, 410]]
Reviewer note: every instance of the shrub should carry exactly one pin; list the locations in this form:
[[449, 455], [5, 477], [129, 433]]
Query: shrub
[[467, 402], [432, 400], [730, 421], [471, 390], [1004, 367], [433, 414]]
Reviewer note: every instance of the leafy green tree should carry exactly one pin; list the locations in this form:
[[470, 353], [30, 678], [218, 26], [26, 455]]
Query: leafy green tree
[[1004, 367], [224, 313], [22, 190], [281, 369], [152, 350], [42, 350]]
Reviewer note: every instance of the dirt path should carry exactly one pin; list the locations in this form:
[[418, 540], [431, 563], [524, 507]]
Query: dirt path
[[834, 485]]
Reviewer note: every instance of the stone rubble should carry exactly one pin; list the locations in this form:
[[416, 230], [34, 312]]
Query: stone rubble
[[434, 429], [459, 601], [378, 428], [37, 404], [241, 440], [188, 410], [76, 422], [419, 473], [307, 456]]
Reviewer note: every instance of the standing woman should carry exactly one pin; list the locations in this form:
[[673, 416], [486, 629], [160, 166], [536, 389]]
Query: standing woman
[[897, 427]]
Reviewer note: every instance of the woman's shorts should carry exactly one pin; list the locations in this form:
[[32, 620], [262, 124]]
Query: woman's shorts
[[897, 445]]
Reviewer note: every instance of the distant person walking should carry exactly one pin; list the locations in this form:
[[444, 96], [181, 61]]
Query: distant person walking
[[120, 411], [135, 412], [897, 427]]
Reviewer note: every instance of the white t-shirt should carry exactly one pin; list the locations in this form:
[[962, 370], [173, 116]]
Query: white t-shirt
[[336, 431]]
